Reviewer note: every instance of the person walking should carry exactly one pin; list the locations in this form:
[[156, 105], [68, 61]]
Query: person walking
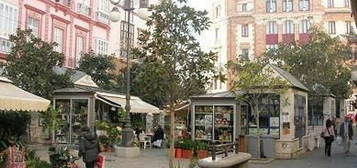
[[329, 135], [346, 132], [88, 147]]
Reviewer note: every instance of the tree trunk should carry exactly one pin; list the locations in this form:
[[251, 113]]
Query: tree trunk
[[172, 135], [258, 131]]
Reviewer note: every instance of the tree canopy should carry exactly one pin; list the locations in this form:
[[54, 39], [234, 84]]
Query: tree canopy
[[30, 65], [173, 66], [319, 63], [99, 67]]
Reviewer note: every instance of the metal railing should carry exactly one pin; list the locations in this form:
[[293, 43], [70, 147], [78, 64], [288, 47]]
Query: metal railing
[[224, 148]]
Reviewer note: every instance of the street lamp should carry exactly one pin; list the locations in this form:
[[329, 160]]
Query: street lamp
[[127, 132]]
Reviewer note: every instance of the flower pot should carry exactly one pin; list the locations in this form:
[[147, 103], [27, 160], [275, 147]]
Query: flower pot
[[178, 152], [202, 154], [187, 154]]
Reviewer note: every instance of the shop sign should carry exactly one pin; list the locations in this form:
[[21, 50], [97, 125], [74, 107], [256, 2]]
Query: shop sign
[[285, 117]]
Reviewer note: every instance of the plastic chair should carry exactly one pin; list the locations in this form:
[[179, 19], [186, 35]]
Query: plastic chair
[[146, 141]]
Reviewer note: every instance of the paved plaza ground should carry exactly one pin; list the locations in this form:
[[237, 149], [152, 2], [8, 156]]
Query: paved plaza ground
[[158, 158]]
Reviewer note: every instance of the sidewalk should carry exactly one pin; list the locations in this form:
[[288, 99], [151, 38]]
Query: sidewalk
[[316, 159], [158, 158], [149, 158]]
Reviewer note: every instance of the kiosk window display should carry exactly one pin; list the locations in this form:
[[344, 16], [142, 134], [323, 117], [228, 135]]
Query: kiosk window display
[[269, 117], [214, 122], [73, 114]]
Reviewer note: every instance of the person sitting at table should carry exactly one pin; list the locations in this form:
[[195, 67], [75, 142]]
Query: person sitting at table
[[158, 137]]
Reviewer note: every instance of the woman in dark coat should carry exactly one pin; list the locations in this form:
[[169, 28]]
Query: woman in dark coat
[[88, 148]]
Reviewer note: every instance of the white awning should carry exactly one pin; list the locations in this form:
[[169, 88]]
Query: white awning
[[14, 98], [137, 105]]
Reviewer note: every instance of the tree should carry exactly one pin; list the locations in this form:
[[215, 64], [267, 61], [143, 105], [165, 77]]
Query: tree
[[317, 63], [30, 62], [99, 67], [254, 82], [173, 66], [51, 121]]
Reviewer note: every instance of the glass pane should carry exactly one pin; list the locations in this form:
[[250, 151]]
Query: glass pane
[[79, 117], [203, 122], [223, 120], [63, 107]]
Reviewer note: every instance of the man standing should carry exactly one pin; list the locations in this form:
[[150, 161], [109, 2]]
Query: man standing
[[346, 132]]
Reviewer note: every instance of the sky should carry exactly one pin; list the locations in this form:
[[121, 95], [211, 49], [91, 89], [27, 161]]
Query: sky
[[199, 4], [204, 39]]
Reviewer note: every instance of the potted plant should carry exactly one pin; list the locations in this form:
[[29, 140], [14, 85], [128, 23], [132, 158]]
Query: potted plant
[[102, 127], [103, 143], [201, 149], [178, 149], [187, 147]]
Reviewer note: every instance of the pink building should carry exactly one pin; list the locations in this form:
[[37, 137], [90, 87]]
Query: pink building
[[76, 25]]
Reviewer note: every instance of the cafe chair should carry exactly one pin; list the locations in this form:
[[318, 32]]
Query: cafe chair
[[145, 141]]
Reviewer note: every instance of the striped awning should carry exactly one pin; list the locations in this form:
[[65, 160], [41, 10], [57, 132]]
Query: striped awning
[[14, 98]]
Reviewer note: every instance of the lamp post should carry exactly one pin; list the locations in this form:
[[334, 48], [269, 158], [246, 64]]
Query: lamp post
[[127, 132]]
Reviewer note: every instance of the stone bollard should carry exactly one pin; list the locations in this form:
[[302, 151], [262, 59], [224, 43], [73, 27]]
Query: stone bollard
[[239, 160]]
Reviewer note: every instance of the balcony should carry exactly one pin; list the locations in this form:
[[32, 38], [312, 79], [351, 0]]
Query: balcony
[[5, 45], [288, 38], [271, 39], [83, 9], [102, 16], [304, 38]]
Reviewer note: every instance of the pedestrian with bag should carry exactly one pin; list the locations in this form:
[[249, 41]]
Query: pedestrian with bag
[[88, 148], [346, 132], [328, 133]]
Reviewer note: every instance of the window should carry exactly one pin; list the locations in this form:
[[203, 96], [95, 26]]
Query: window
[[245, 30], [79, 49], [315, 113], [218, 11], [83, 7], [34, 25], [103, 9], [103, 5], [58, 35], [288, 27], [270, 6], [144, 3], [331, 27], [304, 5], [287, 5], [244, 7], [300, 117], [64, 2], [269, 114], [124, 37], [8, 25], [348, 27], [245, 54], [272, 27], [304, 26], [101, 47], [330, 3], [347, 3], [216, 34]]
